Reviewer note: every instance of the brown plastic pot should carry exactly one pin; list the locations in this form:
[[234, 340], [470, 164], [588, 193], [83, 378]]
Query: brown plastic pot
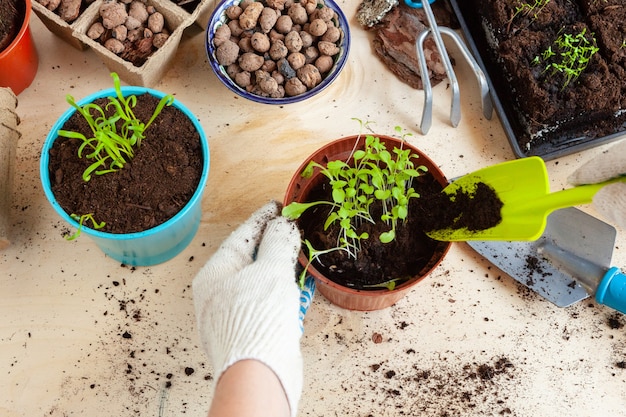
[[19, 61], [299, 189]]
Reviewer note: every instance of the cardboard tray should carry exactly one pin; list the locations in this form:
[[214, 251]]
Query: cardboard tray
[[476, 40], [75, 33]]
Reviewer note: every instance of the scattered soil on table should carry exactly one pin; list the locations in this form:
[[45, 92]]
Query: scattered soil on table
[[11, 18], [412, 251], [142, 353], [615, 321], [554, 109], [533, 266], [447, 389], [149, 190]]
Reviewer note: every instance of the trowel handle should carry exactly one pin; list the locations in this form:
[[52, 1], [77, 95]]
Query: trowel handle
[[612, 290], [582, 194]]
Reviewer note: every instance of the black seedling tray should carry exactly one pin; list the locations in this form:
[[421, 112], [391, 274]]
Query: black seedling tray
[[475, 37]]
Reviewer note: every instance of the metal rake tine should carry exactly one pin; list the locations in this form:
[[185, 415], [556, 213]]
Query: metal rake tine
[[487, 104], [427, 110], [455, 105]]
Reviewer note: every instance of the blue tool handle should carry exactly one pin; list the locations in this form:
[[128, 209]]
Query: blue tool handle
[[612, 290], [417, 4]]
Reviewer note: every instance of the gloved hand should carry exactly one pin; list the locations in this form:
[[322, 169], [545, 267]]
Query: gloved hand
[[610, 200], [247, 305]]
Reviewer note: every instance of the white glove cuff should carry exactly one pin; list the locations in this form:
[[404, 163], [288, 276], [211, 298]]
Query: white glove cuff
[[609, 164], [611, 203]]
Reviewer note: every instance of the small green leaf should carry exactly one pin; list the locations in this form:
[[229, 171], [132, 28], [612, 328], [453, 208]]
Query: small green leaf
[[294, 210], [382, 194], [387, 237], [339, 195]]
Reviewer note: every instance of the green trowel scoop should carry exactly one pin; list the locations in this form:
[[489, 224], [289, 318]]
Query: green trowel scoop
[[523, 188]]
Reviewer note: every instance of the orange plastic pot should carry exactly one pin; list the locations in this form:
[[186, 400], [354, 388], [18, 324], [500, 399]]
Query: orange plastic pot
[[298, 190], [19, 61]]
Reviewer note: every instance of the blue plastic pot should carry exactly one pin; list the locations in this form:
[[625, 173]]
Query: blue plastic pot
[[152, 246]]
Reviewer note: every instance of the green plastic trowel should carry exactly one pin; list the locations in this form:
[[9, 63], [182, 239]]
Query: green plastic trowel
[[523, 187]]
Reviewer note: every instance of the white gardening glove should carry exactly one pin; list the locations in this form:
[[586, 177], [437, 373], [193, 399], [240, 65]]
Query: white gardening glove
[[247, 304], [610, 200]]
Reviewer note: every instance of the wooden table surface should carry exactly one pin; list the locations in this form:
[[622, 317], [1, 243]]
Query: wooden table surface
[[82, 335]]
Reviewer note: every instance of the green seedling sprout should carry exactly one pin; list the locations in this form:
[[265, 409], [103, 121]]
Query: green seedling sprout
[[81, 221], [529, 10], [390, 285], [313, 254], [115, 137], [369, 175], [570, 56]]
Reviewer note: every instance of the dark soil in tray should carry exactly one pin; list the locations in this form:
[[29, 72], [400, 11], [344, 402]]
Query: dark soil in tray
[[149, 190], [557, 103]]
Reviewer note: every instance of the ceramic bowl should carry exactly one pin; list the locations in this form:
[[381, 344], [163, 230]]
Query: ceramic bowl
[[219, 18]]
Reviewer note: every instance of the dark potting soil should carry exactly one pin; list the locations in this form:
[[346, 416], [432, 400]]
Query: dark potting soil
[[475, 211], [12, 14], [412, 252], [552, 111], [149, 190]]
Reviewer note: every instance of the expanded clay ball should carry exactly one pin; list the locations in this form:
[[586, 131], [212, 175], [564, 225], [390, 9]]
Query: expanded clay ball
[[309, 75], [130, 29], [260, 42], [96, 30], [294, 87], [283, 47], [332, 34], [156, 22], [284, 24], [266, 82], [278, 50], [293, 41], [113, 14], [222, 34], [227, 53], [268, 19], [296, 60], [138, 11], [250, 16], [298, 14], [250, 61], [324, 63], [318, 27], [233, 12]]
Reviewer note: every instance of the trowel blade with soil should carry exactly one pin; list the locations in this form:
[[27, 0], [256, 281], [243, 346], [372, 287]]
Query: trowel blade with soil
[[570, 229]]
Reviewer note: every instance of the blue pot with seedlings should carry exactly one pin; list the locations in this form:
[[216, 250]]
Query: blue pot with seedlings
[[150, 247]]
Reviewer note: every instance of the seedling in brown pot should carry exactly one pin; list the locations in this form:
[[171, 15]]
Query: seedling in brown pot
[[370, 175]]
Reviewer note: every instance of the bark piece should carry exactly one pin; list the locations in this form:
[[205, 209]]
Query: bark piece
[[394, 42]]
